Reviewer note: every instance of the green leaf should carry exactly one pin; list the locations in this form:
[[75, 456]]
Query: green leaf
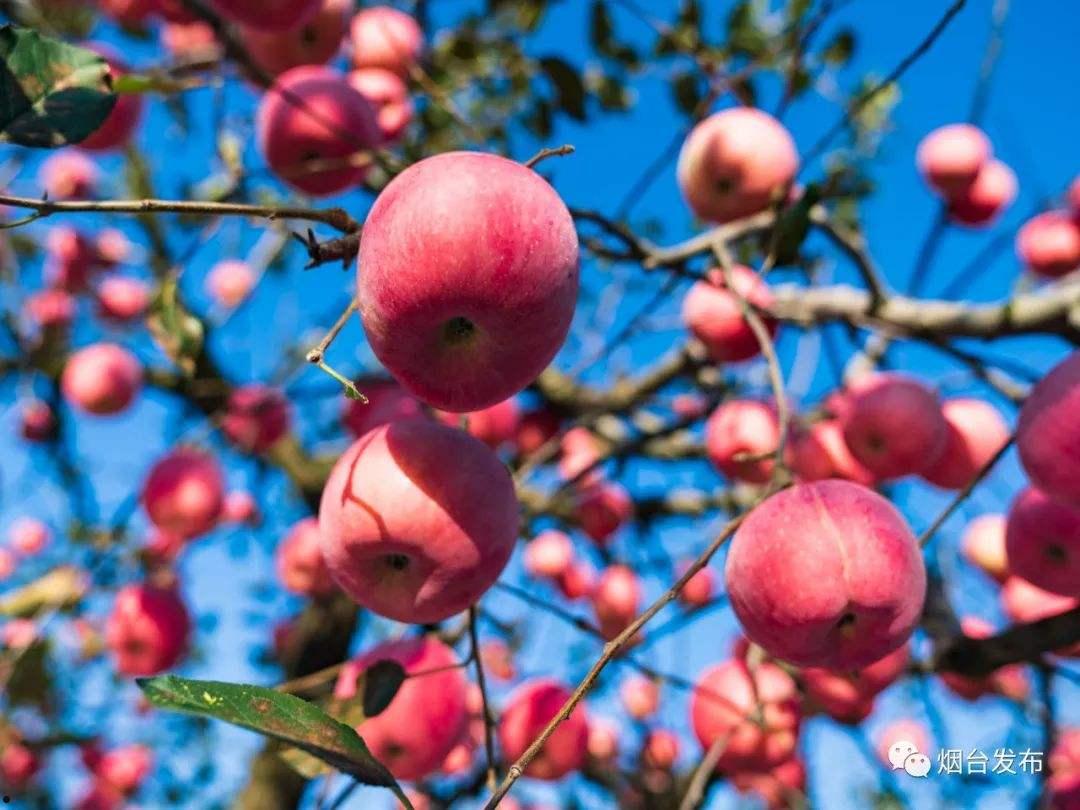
[[569, 88], [51, 93], [601, 29], [29, 682], [274, 714], [745, 35], [174, 329], [687, 91], [840, 48], [63, 587], [793, 226]]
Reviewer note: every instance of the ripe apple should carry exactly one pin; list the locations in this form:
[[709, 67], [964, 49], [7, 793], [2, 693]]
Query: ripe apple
[[535, 429], [735, 163], [894, 425], [577, 581], [68, 175], [699, 589], [975, 432], [579, 451], [147, 630], [401, 531], [299, 561], [119, 125], [256, 417], [1048, 433], [528, 711], [122, 299], [50, 310], [311, 115], [1049, 244], [183, 492], [713, 315], [739, 438], [549, 554], [125, 768], [389, 95], [229, 282], [101, 379], [28, 536], [603, 742], [950, 157], [983, 545], [819, 451], [18, 765], [602, 508], [498, 660], [383, 37], [387, 402], [70, 259], [269, 15], [640, 697], [38, 422], [616, 599], [313, 42], [426, 717], [190, 41], [849, 696], [660, 749], [755, 710], [239, 506], [112, 247], [477, 314], [1042, 541], [984, 200], [494, 426], [826, 574]]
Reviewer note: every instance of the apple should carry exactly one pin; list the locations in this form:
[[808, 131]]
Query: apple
[[70, 259], [894, 425], [190, 41], [740, 438], [579, 450], [984, 200], [983, 545], [68, 175], [229, 282], [528, 711], [1049, 244], [50, 310], [101, 379], [239, 506], [28, 536], [112, 247], [38, 422], [602, 508], [8, 563], [577, 581], [699, 589], [162, 548], [1042, 541], [401, 529], [754, 710], [837, 696], [535, 429], [616, 599], [312, 115], [18, 765], [268, 15], [387, 402], [313, 42], [498, 660], [1008, 681], [903, 730], [819, 451], [122, 299], [826, 574], [389, 95], [1048, 433], [383, 37], [477, 314], [780, 787], [735, 163], [640, 697], [125, 768], [256, 417], [183, 492], [147, 631], [660, 749], [950, 157], [427, 716], [975, 432], [714, 316], [299, 561], [603, 741], [120, 124], [18, 634], [494, 426], [549, 554]]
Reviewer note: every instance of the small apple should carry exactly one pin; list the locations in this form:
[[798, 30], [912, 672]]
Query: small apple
[[528, 711], [389, 95], [981, 203], [1049, 244], [975, 432], [740, 438], [299, 561], [1042, 541], [183, 492], [714, 316], [1048, 433], [256, 417], [383, 37], [147, 630], [101, 379], [950, 157], [229, 282]]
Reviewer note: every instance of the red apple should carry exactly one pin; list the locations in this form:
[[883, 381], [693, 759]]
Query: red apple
[[699, 589], [640, 697], [603, 742], [826, 574], [740, 437], [616, 599], [975, 433], [493, 426], [579, 451], [713, 314], [122, 299], [268, 15], [819, 452], [660, 749], [894, 425], [984, 200], [401, 531], [28, 536], [299, 561], [50, 309], [983, 545], [256, 417], [837, 696], [101, 379], [951, 156], [70, 259], [314, 42], [112, 247], [1063, 783], [498, 660], [190, 41], [229, 282], [528, 711], [1024, 602], [117, 128], [477, 314], [389, 95], [1049, 244], [735, 163], [577, 581], [147, 630], [535, 429], [68, 175], [602, 508], [18, 766], [183, 493], [125, 768], [239, 506], [1048, 432], [387, 402], [549, 554], [1042, 541], [129, 13], [38, 422], [383, 37], [312, 115], [426, 717]]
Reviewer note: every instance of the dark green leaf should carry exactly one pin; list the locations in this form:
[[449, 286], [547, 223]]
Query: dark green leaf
[[538, 120], [273, 714], [51, 93], [569, 89], [793, 226], [174, 329], [840, 48], [687, 91], [378, 684], [600, 28], [745, 35], [29, 682]]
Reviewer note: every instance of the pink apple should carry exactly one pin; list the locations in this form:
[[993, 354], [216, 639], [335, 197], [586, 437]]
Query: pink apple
[[781, 787], [661, 749], [494, 426], [983, 545], [902, 730], [38, 422], [121, 122], [836, 695], [70, 259], [616, 599], [383, 37], [579, 451], [1042, 541], [313, 42], [387, 402], [640, 697], [740, 437], [18, 634], [299, 561], [549, 554], [190, 41], [894, 425], [826, 574], [754, 710], [8, 563], [229, 282], [401, 529], [147, 630], [498, 660], [269, 15], [389, 95], [985, 199], [1048, 433], [528, 711], [714, 316], [1008, 681], [602, 508], [50, 309], [699, 589], [577, 581], [256, 417], [122, 299], [459, 760], [819, 451], [603, 742], [101, 379], [975, 433], [477, 314], [125, 768], [18, 765], [951, 156], [427, 716], [68, 175], [239, 506], [112, 247], [162, 548], [535, 429], [28, 536], [183, 493], [735, 163], [1049, 244], [332, 127]]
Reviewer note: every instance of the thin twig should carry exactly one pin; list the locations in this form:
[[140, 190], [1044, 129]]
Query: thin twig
[[489, 721], [545, 153]]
